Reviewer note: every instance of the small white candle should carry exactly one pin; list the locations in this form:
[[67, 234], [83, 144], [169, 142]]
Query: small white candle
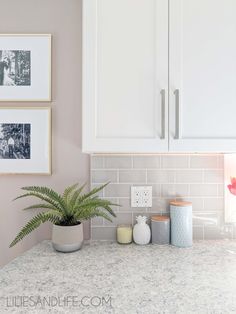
[[124, 234]]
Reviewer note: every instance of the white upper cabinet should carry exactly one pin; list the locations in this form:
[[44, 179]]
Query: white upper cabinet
[[125, 76], [159, 76], [202, 68]]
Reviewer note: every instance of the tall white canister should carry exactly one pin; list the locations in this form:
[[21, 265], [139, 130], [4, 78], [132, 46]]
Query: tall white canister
[[181, 224]]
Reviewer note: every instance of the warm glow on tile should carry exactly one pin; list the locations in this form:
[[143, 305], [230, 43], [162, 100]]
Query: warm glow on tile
[[230, 187]]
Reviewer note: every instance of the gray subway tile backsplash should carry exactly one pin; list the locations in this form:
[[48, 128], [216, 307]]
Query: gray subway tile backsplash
[[197, 202], [198, 232], [96, 162], [214, 204], [221, 190], [204, 162], [156, 190], [221, 161], [174, 190], [103, 176], [117, 162], [97, 221], [125, 204], [203, 190], [146, 162], [117, 190], [214, 176], [160, 205], [174, 161], [207, 219], [195, 178], [121, 218], [189, 176], [132, 176], [160, 176], [103, 233]]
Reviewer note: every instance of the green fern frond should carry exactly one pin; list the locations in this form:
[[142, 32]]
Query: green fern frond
[[86, 210], [76, 196], [68, 191], [107, 205], [97, 203], [42, 206], [109, 209], [88, 214], [43, 198], [47, 192], [34, 223], [94, 191]]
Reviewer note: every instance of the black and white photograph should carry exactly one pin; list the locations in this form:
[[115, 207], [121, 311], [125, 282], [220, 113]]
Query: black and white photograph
[[25, 67], [15, 141], [25, 140], [15, 68]]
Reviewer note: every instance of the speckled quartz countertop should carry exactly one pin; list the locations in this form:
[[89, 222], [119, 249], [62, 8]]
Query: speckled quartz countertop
[[107, 277]]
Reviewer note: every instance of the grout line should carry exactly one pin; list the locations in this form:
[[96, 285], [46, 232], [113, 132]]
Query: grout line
[[161, 183], [169, 198], [202, 154], [114, 226], [157, 169], [162, 209]]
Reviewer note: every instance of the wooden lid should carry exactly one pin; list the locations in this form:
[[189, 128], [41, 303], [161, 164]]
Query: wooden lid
[[160, 218], [180, 204]]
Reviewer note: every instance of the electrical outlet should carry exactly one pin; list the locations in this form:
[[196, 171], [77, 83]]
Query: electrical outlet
[[141, 196]]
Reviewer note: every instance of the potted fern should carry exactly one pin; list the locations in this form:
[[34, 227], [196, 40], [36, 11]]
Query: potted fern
[[66, 212]]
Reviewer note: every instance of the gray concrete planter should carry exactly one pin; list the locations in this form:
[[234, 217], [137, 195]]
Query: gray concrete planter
[[67, 238]]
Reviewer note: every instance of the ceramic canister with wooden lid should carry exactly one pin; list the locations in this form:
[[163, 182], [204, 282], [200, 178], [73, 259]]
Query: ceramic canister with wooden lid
[[181, 223], [160, 229]]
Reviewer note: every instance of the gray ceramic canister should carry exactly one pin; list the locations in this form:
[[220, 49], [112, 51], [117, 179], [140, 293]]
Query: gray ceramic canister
[[160, 229]]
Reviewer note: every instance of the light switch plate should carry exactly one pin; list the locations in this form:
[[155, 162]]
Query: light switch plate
[[141, 196]]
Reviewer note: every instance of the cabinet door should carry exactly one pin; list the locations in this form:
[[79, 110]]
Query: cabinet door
[[125, 75], [202, 75]]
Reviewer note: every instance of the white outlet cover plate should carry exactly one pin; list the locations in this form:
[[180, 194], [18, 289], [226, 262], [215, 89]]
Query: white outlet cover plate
[[141, 196]]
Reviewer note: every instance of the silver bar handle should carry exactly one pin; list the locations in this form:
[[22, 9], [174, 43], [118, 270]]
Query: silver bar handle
[[163, 114], [177, 115]]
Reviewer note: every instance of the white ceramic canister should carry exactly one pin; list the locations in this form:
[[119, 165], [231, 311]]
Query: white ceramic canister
[[141, 231], [181, 224]]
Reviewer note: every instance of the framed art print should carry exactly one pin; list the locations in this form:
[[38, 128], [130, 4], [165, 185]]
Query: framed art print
[[25, 140], [25, 67]]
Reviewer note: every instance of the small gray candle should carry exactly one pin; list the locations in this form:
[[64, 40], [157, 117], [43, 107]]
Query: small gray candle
[[160, 229]]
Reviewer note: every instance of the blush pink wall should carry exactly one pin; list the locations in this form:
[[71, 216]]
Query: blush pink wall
[[61, 18]]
